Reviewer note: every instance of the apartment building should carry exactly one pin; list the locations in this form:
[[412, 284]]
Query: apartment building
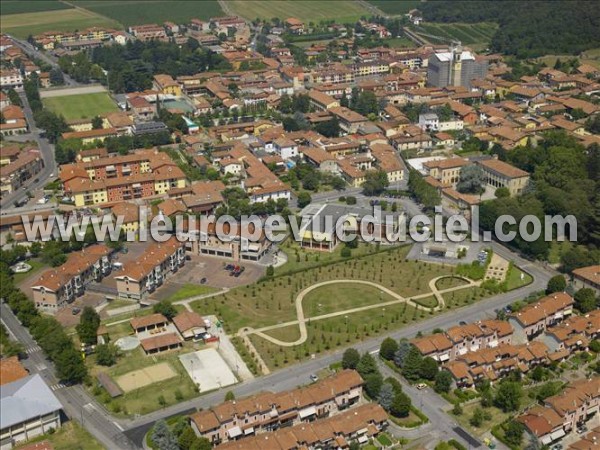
[[266, 412], [350, 121], [25, 166], [535, 318], [359, 424], [494, 363], [562, 413], [587, 277], [320, 101], [122, 178], [59, 286], [500, 174], [159, 261], [446, 171], [461, 339], [11, 79], [574, 333], [241, 243], [166, 85]]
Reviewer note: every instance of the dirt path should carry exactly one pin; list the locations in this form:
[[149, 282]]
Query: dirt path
[[301, 319]]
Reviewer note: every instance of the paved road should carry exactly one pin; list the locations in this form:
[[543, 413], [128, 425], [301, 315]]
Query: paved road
[[77, 404], [47, 58], [47, 153]]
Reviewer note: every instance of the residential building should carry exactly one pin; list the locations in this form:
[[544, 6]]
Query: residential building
[[25, 166], [587, 277], [562, 413], [320, 101], [574, 333], [500, 174], [90, 136], [446, 171], [11, 370], [11, 79], [359, 424], [166, 85], [268, 411], [461, 339], [57, 287], [534, 319], [159, 261], [29, 409], [349, 120]]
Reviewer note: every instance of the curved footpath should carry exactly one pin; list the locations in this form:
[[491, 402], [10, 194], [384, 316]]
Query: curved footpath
[[301, 319]]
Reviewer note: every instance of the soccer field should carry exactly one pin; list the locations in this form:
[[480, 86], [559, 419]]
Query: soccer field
[[307, 11], [83, 106]]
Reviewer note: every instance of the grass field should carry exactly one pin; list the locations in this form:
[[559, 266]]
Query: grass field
[[22, 25], [272, 301], [150, 11], [477, 35], [84, 106], [70, 436], [395, 7], [308, 11], [400, 43], [22, 6], [191, 290]]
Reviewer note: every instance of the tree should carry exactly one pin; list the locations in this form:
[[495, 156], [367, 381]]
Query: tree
[[366, 365], [70, 366], [162, 436], [376, 182], [56, 77], [87, 328], [443, 381], [350, 358], [401, 405], [388, 348], [329, 128], [556, 284], [165, 308], [386, 396], [106, 354], [187, 438], [502, 192], [508, 396], [513, 433], [403, 349], [411, 368], [585, 300], [97, 123], [373, 383], [472, 180], [304, 199], [201, 443], [229, 396], [428, 368], [476, 419]]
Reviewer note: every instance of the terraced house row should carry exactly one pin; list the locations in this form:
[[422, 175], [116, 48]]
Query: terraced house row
[[266, 412]]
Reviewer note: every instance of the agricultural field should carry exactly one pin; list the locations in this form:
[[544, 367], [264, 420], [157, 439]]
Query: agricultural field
[[477, 35], [342, 11], [395, 7], [150, 11], [21, 6], [82, 106], [32, 23]]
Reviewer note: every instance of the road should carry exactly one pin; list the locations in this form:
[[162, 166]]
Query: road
[[48, 59], [47, 153], [77, 404]]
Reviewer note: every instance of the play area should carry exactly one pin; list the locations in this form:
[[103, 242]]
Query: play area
[[143, 377], [207, 369]]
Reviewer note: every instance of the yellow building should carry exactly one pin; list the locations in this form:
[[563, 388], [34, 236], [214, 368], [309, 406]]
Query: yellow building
[[167, 85]]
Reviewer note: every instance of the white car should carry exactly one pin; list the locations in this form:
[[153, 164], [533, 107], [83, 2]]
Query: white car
[[421, 386]]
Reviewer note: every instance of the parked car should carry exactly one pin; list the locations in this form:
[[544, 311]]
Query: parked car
[[421, 386], [314, 378], [203, 281], [75, 311]]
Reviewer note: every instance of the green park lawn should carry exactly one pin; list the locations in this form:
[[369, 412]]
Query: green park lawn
[[83, 106], [70, 436], [36, 268], [191, 290]]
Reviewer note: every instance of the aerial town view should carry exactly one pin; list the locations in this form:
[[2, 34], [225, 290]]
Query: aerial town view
[[299, 224]]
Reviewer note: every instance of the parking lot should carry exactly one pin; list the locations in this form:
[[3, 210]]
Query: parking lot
[[212, 269]]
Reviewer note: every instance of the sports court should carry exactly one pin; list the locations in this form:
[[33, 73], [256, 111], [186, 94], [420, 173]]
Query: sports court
[[208, 369], [143, 377]]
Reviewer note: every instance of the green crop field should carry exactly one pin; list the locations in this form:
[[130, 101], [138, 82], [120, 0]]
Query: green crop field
[[32, 23], [478, 34], [395, 7], [84, 106], [22, 6], [150, 11], [308, 11]]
